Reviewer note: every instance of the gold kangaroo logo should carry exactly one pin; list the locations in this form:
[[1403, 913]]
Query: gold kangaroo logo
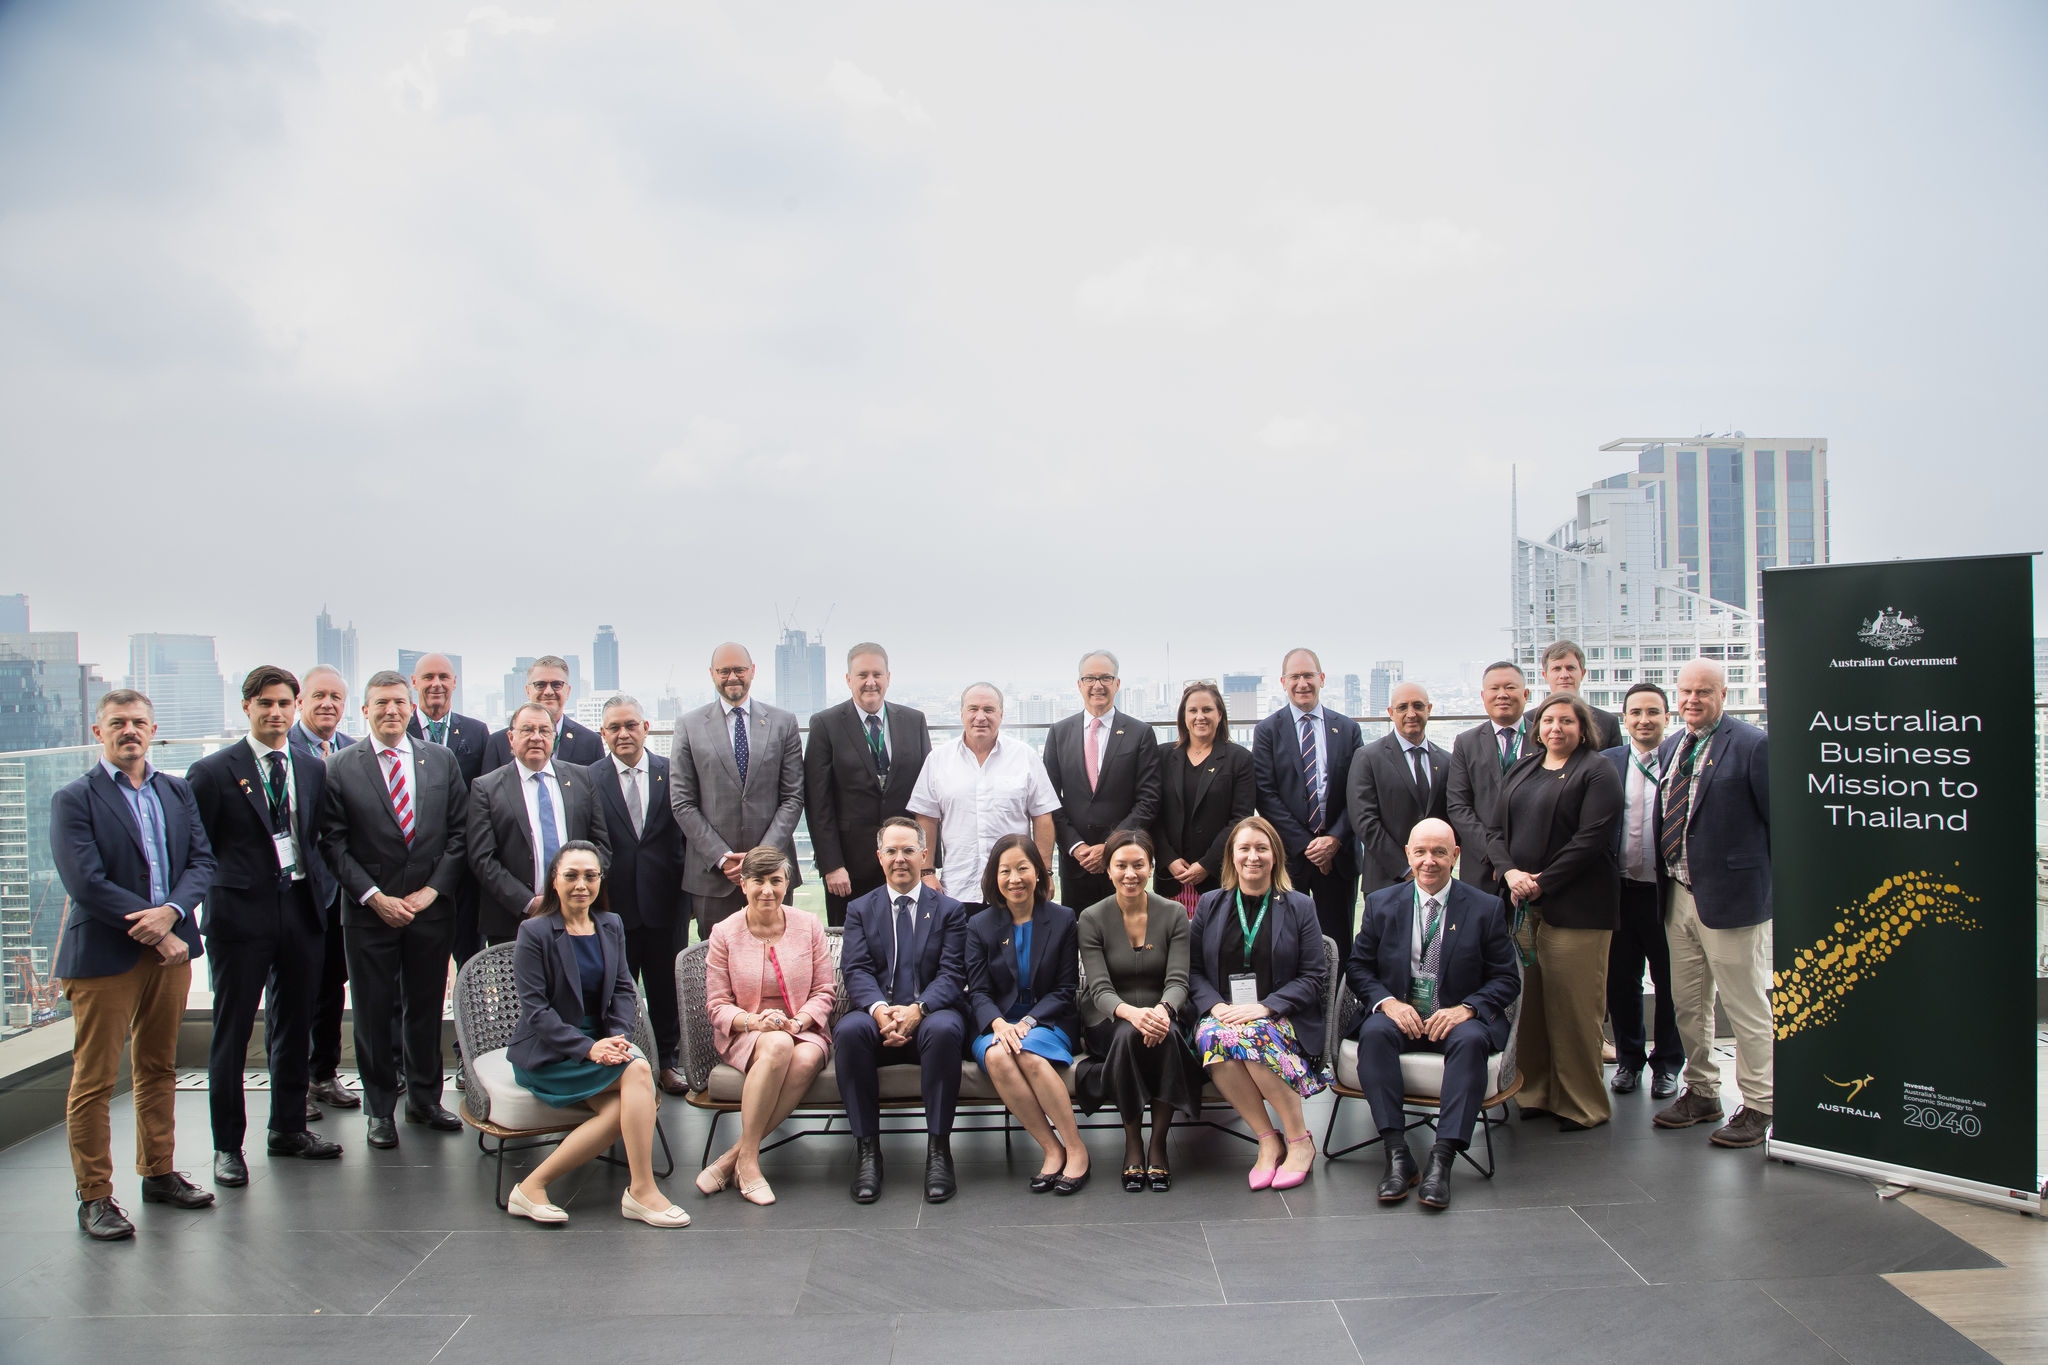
[[1854, 1088]]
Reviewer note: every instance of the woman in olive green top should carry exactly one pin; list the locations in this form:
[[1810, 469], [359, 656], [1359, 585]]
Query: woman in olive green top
[[1134, 969]]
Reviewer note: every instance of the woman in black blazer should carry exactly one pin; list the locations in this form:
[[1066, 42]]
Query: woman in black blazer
[[1557, 812], [573, 1044], [1256, 977], [1205, 788], [1023, 978]]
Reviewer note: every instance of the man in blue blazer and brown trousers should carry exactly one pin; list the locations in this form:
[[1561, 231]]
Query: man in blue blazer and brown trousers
[[1301, 765], [133, 857], [905, 964], [1435, 969]]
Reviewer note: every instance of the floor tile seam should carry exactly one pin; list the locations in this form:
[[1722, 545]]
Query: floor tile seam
[[410, 1273], [467, 1318], [1793, 1314], [1346, 1325], [1214, 1268], [1610, 1246]]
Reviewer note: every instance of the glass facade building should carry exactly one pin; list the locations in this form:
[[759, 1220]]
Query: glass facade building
[[180, 675]]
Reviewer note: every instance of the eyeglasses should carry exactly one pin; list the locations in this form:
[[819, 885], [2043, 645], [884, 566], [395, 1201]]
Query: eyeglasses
[[576, 874], [739, 672], [548, 686], [1098, 677]]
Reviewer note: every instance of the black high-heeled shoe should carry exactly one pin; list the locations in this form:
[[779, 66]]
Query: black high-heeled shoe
[[1160, 1178], [1134, 1179]]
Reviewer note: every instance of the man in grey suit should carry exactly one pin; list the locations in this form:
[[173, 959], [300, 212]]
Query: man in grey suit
[[736, 780], [1479, 757], [1104, 766], [393, 826], [519, 815], [1397, 781]]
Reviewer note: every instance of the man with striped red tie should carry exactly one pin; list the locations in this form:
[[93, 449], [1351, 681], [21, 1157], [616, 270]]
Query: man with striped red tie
[[1301, 765], [393, 831]]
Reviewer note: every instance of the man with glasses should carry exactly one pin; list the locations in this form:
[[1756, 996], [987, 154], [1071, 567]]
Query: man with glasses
[[1301, 764], [520, 816], [736, 780], [1479, 758], [547, 685], [1104, 766]]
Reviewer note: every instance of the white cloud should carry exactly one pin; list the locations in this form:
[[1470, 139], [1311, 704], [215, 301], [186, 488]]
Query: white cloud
[[418, 82], [1306, 260], [709, 445], [1292, 433], [494, 19], [858, 90]]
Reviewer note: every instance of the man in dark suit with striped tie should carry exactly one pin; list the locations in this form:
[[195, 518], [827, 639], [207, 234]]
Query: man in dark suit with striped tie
[[859, 769], [1301, 760]]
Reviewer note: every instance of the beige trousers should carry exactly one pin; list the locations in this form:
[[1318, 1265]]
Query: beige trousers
[[140, 1009], [1737, 964], [1564, 998]]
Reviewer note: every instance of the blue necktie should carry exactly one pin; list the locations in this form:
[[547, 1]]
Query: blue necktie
[[739, 742], [903, 984], [550, 841]]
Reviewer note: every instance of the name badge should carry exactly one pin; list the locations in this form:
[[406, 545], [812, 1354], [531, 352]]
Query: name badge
[[1422, 994], [283, 844], [1244, 989]]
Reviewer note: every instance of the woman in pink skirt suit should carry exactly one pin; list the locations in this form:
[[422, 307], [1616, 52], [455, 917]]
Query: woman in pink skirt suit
[[768, 982]]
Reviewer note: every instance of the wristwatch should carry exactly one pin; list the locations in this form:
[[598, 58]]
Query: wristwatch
[[1027, 1023]]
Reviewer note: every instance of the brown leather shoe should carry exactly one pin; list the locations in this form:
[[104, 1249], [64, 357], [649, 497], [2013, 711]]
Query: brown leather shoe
[[673, 1081], [1692, 1107], [1746, 1128]]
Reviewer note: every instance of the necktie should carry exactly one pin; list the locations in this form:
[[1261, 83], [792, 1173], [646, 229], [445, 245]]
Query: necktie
[[550, 840], [878, 748], [1094, 751], [1310, 784], [326, 748], [1421, 776], [902, 982], [1508, 745], [1677, 804], [401, 799], [280, 820], [437, 730], [1433, 940], [739, 743], [635, 806]]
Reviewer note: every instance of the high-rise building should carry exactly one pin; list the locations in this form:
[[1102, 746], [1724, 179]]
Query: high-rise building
[[1354, 696], [800, 673], [1664, 563], [16, 921], [2040, 666], [604, 661], [1385, 673], [515, 689], [1241, 697], [408, 658], [180, 675], [13, 613], [47, 696], [335, 647]]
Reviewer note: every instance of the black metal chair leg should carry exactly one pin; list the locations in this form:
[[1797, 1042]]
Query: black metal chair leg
[[710, 1134]]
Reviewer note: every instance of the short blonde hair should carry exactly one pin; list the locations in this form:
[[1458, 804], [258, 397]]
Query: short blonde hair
[[1261, 825]]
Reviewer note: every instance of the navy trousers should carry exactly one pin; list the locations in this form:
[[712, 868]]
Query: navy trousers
[[1465, 1049], [935, 1049], [281, 973], [1335, 893], [1640, 939]]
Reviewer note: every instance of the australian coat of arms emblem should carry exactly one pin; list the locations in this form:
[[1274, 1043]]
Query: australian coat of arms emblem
[[1891, 630]]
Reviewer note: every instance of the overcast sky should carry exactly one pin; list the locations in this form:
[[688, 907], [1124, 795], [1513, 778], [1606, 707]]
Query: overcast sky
[[1001, 331]]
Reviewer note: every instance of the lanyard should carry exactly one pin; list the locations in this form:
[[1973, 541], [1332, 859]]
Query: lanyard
[[1251, 932], [1645, 769], [1513, 750], [1692, 758], [1430, 926]]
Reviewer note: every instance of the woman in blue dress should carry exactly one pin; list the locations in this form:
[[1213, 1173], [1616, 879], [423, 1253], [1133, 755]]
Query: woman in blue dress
[[1023, 977], [573, 1044]]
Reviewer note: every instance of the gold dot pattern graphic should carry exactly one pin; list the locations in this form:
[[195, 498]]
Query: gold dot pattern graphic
[[1809, 993]]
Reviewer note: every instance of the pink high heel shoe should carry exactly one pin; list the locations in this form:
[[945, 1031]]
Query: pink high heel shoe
[[1259, 1179], [1287, 1180]]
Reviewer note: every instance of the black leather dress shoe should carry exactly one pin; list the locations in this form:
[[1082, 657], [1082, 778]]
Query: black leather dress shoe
[[938, 1170], [383, 1133], [314, 1113], [173, 1188], [308, 1146], [230, 1169], [1066, 1184], [436, 1118], [103, 1221], [1626, 1079], [1436, 1179], [1663, 1085], [672, 1081], [1402, 1172], [867, 1170], [332, 1092]]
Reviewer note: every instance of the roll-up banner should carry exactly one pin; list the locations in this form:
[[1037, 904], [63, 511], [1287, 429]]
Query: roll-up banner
[[1901, 709]]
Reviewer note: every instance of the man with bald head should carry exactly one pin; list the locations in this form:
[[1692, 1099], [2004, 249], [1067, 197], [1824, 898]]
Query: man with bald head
[[736, 781], [1104, 766], [1435, 969], [1301, 765], [1396, 781], [1714, 860]]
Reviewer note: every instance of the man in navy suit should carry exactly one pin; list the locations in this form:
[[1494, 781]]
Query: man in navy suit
[[265, 921], [1435, 969], [435, 720], [317, 735], [547, 684], [1301, 763], [905, 964], [1714, 850], [133, 857], [645, 882], [1639, 938]]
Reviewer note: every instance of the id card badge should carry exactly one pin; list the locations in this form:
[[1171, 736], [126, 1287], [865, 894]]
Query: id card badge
[[283, 844], [1244, 989], [1422, 994]]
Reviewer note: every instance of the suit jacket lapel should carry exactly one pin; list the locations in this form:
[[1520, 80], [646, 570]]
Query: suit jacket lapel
[[565, 954], [251, 779], [920, 927], [1204, 776], [902, 744], [1403, 941], [382, 785], [721, 721], [1112, 730], [1717, 749], [613, 791]]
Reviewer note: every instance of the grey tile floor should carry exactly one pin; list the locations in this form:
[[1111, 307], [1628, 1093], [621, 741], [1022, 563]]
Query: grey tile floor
[[1621, 1244]]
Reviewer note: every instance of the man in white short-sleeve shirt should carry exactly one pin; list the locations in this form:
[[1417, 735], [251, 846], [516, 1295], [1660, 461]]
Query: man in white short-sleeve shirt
[[977, 789]]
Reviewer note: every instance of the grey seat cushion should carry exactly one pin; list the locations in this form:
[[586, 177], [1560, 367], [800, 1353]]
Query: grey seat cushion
[[1422, 1073]]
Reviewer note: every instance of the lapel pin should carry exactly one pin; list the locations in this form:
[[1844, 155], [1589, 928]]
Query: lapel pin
[[1119, 732]]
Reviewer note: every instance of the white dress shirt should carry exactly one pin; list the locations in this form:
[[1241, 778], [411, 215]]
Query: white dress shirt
[[746, 719], [291, 795], [1090, 720], [1322, 727], [627, 784], [977, 803], [531, 789], [1409, 763], [861, 714], [1638, 840]]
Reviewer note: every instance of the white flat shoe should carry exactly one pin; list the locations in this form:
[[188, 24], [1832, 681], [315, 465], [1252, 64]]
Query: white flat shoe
[[670, 1217], [519, 1206]]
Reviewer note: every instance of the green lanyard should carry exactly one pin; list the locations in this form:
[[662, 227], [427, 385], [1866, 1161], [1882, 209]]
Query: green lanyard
[[1514, 750], [1430, 927], [1645, 769], [1692, 759], [1251, 932]]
